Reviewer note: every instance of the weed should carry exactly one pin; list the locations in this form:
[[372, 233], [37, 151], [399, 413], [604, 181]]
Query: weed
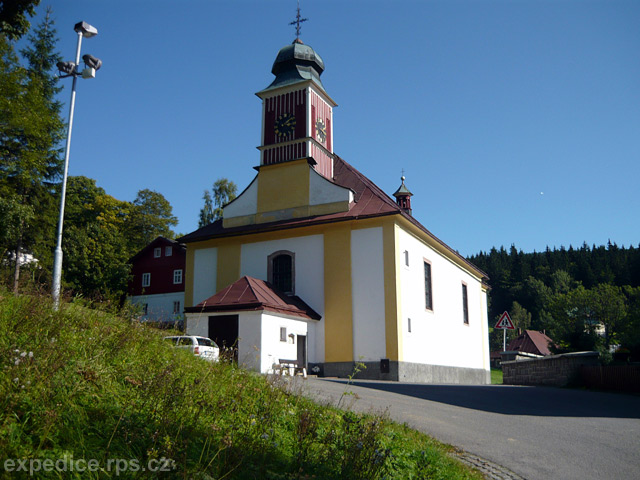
[[86, 384]]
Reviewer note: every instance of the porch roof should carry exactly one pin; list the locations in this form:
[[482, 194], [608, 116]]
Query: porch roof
[[249, 294]]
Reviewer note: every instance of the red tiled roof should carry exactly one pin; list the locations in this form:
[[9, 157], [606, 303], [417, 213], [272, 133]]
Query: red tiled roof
[[531, 341], [369, 201], [250, 293]]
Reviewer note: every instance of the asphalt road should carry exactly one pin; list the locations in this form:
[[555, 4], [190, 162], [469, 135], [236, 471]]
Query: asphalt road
[[537, 432]]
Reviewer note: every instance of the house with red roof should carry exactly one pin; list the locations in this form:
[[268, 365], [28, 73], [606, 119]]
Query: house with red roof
[[529, 344], [315, 264]]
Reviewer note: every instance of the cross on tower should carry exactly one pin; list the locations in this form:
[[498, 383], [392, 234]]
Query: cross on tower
[[298, 21]]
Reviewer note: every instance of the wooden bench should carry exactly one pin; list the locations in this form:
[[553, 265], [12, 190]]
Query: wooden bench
[[288, 367]]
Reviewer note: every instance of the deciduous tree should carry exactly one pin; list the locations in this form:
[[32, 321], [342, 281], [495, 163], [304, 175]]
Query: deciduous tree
[[223, 192], [151, 216]]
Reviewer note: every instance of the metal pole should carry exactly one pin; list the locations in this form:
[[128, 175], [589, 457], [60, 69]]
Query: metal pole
[[504, 339], [57, 261]]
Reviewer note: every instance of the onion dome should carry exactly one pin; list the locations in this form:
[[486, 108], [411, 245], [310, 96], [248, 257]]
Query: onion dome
[[295, 63]]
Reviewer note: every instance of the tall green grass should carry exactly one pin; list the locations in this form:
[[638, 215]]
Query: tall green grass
[[82, 384]]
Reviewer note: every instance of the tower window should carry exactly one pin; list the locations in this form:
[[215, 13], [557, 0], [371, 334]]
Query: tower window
[[281, 270]]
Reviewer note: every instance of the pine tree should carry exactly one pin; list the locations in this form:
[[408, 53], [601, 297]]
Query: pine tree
[[30, 136]]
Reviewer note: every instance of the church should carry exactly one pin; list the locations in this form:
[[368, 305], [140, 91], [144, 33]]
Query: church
[[314, 265]]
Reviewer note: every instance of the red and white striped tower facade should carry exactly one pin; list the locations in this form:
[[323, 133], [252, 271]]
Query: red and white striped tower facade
[[297, 113]]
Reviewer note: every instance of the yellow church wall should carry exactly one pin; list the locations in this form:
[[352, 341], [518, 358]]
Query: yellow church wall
[[392, 286], [338, 327], [282, 186], [228, 265]]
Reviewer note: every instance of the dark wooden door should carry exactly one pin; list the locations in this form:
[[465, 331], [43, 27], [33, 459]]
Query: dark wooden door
[[302, 351], [223, 330]]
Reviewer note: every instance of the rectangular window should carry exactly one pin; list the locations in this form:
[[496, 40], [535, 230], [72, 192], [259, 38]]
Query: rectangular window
[[176, 307], [177, 277], [409, 325], [465, 304], [168, 251], [146, 279], [157, 252], [406, 258], [283, 334], [428, 294]]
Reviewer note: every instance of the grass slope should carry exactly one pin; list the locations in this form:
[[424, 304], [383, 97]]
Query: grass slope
[[84, 389]]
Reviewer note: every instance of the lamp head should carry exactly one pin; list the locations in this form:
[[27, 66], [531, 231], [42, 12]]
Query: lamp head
[[85, 29], [66, 67], [92, 62]]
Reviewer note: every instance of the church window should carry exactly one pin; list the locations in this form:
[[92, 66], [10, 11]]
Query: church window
[[465, 305], [281, 270], [428, 294]]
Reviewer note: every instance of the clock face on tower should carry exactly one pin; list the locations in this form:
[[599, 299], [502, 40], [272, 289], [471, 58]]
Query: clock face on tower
[[321, 131], [285, 125]]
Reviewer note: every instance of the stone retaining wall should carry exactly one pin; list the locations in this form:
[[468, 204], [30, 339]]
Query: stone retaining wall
[[555, 370]]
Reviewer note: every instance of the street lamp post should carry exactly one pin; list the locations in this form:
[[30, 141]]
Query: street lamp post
[[83, 29]]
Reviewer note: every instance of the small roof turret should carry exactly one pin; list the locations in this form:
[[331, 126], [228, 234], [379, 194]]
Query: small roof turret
[[403, 197]]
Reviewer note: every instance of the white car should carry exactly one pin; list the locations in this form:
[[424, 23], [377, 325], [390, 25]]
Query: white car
[[202, 347]]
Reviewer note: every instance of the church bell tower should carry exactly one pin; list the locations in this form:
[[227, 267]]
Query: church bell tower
[[297, 112]]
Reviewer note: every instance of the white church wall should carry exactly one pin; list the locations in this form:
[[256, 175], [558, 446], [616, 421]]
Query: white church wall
[[309, 277], [205, 263], [322, 191], [249, 340], [367, 293], [440, 336], [273, 349], [245, 204]]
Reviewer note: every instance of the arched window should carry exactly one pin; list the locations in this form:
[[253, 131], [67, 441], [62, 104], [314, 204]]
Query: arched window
[[281, 270]]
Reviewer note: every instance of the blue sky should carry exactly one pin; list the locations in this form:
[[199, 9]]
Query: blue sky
[[516, 122]]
